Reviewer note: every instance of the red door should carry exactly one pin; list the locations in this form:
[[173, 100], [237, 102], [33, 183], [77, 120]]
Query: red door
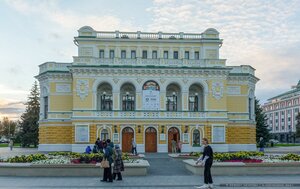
[[127, 136], [173, 133], [151, 140]]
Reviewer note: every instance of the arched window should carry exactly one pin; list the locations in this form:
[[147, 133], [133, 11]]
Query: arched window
[[104, 134], [173, 98], [104, 97], [196, 138], [196, 98], [128, 97]]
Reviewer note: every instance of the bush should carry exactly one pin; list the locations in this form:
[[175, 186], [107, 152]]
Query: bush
[[291, 157], [27, 159]]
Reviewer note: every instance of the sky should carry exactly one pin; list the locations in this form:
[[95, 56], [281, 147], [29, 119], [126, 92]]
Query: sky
[[264, 34]]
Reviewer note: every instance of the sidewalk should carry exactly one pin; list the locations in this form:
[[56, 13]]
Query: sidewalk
[[157, 182], [17, 151], [285, 150]]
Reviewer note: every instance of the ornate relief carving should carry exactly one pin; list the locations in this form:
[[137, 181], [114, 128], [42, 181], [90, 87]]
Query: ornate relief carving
[[217, 89], [185, 81], [162, 81], [139, 80], [82, 88], [116, 80]]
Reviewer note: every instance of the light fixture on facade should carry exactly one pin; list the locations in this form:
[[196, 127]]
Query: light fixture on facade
[[115, 129], [162, 129], [139, 129]]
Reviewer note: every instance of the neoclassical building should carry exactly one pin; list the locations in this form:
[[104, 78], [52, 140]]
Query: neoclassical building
[[281, 112], [152, 87]]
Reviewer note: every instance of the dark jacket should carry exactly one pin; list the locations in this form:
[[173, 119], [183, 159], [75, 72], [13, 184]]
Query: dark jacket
[[118, 162], [208, 152], [108, 154]]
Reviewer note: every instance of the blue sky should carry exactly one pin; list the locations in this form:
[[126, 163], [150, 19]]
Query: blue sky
[[263, 34]]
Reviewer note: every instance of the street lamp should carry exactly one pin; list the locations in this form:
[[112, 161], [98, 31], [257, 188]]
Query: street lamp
[[196, 102], [174, 99], [127, 101], [103, 100]]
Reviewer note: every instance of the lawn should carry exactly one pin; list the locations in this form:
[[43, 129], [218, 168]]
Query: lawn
[[3, 145], [286, 144]]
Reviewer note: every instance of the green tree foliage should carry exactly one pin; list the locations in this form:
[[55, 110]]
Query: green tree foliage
[[7, 128], [262, 129], [29, 120], [298, 125]]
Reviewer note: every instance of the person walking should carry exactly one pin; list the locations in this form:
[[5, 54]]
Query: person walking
[[118, 163], [107, 176], [179, 146], [173, 143], [261, 144], [133, 148], [11, 144], [206, 160]]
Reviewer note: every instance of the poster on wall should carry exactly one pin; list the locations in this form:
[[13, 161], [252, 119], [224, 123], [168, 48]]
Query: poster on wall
[[218, 134], [151, 99], [162, 137], [82, 133]]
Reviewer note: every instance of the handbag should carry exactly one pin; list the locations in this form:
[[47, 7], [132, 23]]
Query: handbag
[[104, 163]]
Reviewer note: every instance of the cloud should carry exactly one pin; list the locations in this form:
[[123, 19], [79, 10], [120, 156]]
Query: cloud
[[256, 33], [11, 109]]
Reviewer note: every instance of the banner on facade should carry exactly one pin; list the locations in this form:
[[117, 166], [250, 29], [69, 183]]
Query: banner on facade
[[151, 100]]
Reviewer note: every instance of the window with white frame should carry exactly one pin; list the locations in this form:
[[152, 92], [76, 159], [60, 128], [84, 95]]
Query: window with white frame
[[104, 134], [111, 54], [218, 133], [175, 56], [196, 138], [133, 54], [197, 55], [123, 54]]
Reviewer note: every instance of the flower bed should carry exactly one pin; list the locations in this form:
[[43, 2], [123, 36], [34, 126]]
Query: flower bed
[[247, 157]]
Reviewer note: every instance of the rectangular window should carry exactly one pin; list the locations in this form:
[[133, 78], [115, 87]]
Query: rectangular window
[[175, 55], [144, 55], [101, 54], [111, 54], [187, 55], [123, 54], [45, 107], [154, 54], [133, 54], [276, 114], [166, 55], [197, 55]]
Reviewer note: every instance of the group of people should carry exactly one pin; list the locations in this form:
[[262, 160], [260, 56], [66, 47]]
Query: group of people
[[111, 153], [176, 146]]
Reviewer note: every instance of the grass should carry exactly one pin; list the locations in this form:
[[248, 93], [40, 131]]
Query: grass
[[5, 145], [286, 144]]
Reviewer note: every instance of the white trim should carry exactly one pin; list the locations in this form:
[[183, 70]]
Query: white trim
[[82, 124], [212, 133], [104, 126]]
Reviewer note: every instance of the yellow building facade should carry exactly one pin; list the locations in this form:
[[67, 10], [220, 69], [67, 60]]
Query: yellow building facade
[[150, 87]]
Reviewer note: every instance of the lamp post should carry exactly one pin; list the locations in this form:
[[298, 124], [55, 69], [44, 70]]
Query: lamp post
[[127, 101], [103, 100], [196, 102], [174, 98]]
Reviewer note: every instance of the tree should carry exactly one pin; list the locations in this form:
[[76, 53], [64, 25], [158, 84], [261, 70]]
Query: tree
[[28, 124], [262, 129], [7, 127], [298, 125]]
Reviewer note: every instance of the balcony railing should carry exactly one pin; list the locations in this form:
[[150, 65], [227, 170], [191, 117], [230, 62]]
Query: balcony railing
[[150, 62]]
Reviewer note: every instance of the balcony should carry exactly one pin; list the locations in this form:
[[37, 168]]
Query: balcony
[[149, 62], [143, 114]]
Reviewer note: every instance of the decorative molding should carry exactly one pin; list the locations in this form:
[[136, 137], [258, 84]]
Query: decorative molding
[[82, 88], [63, 88], [116, 80], [217, 89]]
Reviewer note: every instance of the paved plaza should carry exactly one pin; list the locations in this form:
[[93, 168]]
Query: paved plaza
[[164, 172]]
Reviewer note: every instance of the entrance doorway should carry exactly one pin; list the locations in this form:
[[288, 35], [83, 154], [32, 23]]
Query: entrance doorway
[[127, 136], [150, 140], [173, 133]]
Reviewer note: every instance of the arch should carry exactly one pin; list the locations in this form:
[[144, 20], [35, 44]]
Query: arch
[[128, 134], [173, 133], [104, 97], [128, 97], [151, 85], [196, 97], [151, 139], [95, 86], [173, 97], [196, 140], [102, 127]]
